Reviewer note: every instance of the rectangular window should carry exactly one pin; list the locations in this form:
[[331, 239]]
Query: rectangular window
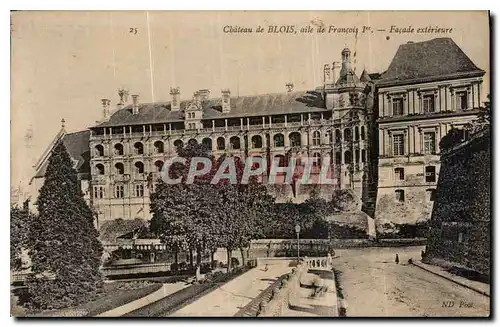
[[119, 191], [429, 143], [429, 102], [398, 145], [139, 190], [430, 174], [397, 107], [462, 101], [399, 174], [400, 195]]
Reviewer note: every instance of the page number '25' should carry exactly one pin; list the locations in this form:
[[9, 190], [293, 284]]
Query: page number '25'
[[133, 30]]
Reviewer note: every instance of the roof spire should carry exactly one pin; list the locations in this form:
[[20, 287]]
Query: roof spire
[[63, 123]]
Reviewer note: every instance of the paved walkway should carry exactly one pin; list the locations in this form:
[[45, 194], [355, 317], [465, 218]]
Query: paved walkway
[[164, 291], [478, 286], [227, 300], [373, 285]]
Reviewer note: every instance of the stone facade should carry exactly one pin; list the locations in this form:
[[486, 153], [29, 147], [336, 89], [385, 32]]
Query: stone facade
[[415, 111], [335, 122], [380, 133]]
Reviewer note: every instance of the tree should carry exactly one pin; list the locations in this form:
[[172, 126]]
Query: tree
[[20, 221], [64, 248]]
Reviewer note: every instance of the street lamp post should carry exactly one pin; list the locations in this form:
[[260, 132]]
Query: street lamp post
[[297, 230]]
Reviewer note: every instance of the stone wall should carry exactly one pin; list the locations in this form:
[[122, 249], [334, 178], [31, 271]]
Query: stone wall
[[460, 223]]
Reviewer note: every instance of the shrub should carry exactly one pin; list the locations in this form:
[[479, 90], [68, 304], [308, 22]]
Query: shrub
[[183, 266], [235, 262], [174, 267]]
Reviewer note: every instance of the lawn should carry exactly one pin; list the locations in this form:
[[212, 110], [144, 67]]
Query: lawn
[[113, 295]]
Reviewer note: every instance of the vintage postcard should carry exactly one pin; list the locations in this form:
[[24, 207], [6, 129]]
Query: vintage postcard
[[250, 164]]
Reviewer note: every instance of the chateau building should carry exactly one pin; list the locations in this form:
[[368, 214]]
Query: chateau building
[[378, 132], [429, 88]]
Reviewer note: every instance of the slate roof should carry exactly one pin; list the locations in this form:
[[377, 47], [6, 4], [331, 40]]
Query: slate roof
[[431, 60], [243, 106], [112, 229], [77, 145]]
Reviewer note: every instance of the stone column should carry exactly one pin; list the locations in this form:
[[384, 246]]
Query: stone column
[[470, 103], [381, 101], [442, 94], [381, 141], [287, 140], [410, 134], [411, 105], [450, 103]]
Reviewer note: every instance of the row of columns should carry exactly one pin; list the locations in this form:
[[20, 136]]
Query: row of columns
[[444, 98], [414, 137]]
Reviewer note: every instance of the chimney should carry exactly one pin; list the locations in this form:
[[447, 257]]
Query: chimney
[[106, 103], [335, 71], [123, 94], [176, 102], [289, 86], [327, 76], [346, 61], [226, 101], [204, 94], [135, 104]]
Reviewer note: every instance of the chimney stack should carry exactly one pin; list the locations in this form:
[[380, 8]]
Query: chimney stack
[[176, 103], [204, 94], [135, 104], [123, 94], [226, 100], [335, 71], [327, 76], [105, 107]]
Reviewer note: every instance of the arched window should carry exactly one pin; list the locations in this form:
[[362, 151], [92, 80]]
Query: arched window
[[207, 143], [363, 133], [99, 150], [347, 134], [338, 158], [192, 142], [159, 165], [221, 143], [347, 157], [118, 149], [356, 133], [363, 155], [279, 140], [100, 169], [159, 148], [179, 144], [139, 167], [338, 136], [356, 156], [281, 160], [295, 139], [256, 142], [119, 168], [316, 138], [138, 148], [316, 159], [235, 142]]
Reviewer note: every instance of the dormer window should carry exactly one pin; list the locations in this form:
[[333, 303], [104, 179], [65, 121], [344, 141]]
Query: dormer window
[[397, 107]]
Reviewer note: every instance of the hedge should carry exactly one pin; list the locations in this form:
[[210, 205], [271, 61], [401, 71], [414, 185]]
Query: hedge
[[181, 298]]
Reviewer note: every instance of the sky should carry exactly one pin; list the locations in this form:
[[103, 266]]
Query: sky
[[63, 63]]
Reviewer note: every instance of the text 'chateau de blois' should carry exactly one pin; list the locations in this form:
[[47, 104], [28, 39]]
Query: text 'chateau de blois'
[[381, 132]]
